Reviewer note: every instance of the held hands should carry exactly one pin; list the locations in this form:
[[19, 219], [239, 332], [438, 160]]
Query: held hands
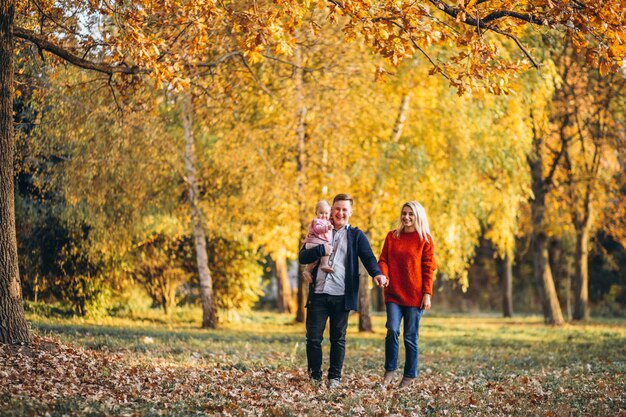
[[426, 302], [381, 281]]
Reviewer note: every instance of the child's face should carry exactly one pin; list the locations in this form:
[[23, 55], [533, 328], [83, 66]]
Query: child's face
[[323, 213]]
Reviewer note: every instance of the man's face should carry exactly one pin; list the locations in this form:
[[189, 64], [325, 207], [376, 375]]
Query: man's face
[[341, 212]]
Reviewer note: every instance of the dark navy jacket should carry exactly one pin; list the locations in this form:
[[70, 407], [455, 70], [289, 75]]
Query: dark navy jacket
[[358, 247]]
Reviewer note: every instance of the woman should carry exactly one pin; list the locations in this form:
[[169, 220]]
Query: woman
[[407, 259]]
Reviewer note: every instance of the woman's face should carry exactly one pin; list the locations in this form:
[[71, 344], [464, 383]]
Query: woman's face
[[408, 217]]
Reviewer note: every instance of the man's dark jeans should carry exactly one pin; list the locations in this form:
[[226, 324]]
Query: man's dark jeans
[[321, 308]]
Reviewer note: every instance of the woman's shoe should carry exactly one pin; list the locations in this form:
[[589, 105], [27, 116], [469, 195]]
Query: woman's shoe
[[406, 382]]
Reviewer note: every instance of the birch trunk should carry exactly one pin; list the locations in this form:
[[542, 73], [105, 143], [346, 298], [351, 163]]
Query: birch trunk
[[303, 287], [209, 312], [365, 294]]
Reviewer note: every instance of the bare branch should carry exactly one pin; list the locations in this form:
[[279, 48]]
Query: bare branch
[[282, 61], [419, 48], [517, 41], [163, 54], [110, 84], [255, 78], [52, 19], [219, 59]]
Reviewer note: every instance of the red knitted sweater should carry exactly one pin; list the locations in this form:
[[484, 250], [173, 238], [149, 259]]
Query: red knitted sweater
[[409, 264]]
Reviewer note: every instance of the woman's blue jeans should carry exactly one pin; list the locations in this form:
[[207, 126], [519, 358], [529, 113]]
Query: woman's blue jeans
[[411, 316]]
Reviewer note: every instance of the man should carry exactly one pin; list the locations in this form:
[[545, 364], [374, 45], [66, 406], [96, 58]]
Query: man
[[332, 295]]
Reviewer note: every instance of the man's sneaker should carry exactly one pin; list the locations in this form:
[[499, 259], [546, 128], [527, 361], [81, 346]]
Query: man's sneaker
[[315, 382], [333, 383], [389, 377]]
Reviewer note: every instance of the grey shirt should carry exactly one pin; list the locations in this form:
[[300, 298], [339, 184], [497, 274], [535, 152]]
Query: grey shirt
[[334, 283]]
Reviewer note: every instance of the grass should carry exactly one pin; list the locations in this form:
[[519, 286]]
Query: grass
[[469, 366]]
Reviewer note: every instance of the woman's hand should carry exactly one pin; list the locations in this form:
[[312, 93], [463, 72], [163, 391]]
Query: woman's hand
[[426, 302]]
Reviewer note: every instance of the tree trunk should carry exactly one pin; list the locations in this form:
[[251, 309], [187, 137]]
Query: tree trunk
[[13, 328], [581, 274], [303, 293], [365, 294], [283, 286], [543, 277], [379, 183], [568, 292], [209, 312], [300, 174], [507, 286], [379, 299], [365, 300], [559, 267], [541, 266]]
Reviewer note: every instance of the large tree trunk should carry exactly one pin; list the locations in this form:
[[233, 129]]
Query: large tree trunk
[[507, 286], [13, 328], [209, 312], [581, 274], [283, 286], [300, 174]]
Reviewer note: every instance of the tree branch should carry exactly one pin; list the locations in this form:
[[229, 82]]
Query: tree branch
[[517, 41], [44, 44], [282, 61], [255, 78], [219, 59], [453, 12]]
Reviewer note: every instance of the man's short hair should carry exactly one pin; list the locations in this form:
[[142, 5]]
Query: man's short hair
[[343, 197]]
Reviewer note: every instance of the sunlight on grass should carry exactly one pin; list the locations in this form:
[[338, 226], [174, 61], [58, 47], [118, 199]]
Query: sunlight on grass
[[259, 334]]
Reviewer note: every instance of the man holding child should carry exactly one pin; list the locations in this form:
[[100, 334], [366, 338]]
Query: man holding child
[[332, 295]]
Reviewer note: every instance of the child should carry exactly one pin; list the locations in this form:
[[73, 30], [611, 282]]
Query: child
[[320, 232]]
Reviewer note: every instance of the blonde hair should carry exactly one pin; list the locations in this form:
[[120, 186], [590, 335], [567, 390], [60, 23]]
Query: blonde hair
[[421, 221], [321, 203]]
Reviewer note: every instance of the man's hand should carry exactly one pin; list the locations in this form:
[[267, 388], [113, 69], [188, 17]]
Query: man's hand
[[426, 302], [381, 281], [328, 248]]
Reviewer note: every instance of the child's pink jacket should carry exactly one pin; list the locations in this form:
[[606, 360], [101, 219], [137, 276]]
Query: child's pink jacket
[[320, 232]]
